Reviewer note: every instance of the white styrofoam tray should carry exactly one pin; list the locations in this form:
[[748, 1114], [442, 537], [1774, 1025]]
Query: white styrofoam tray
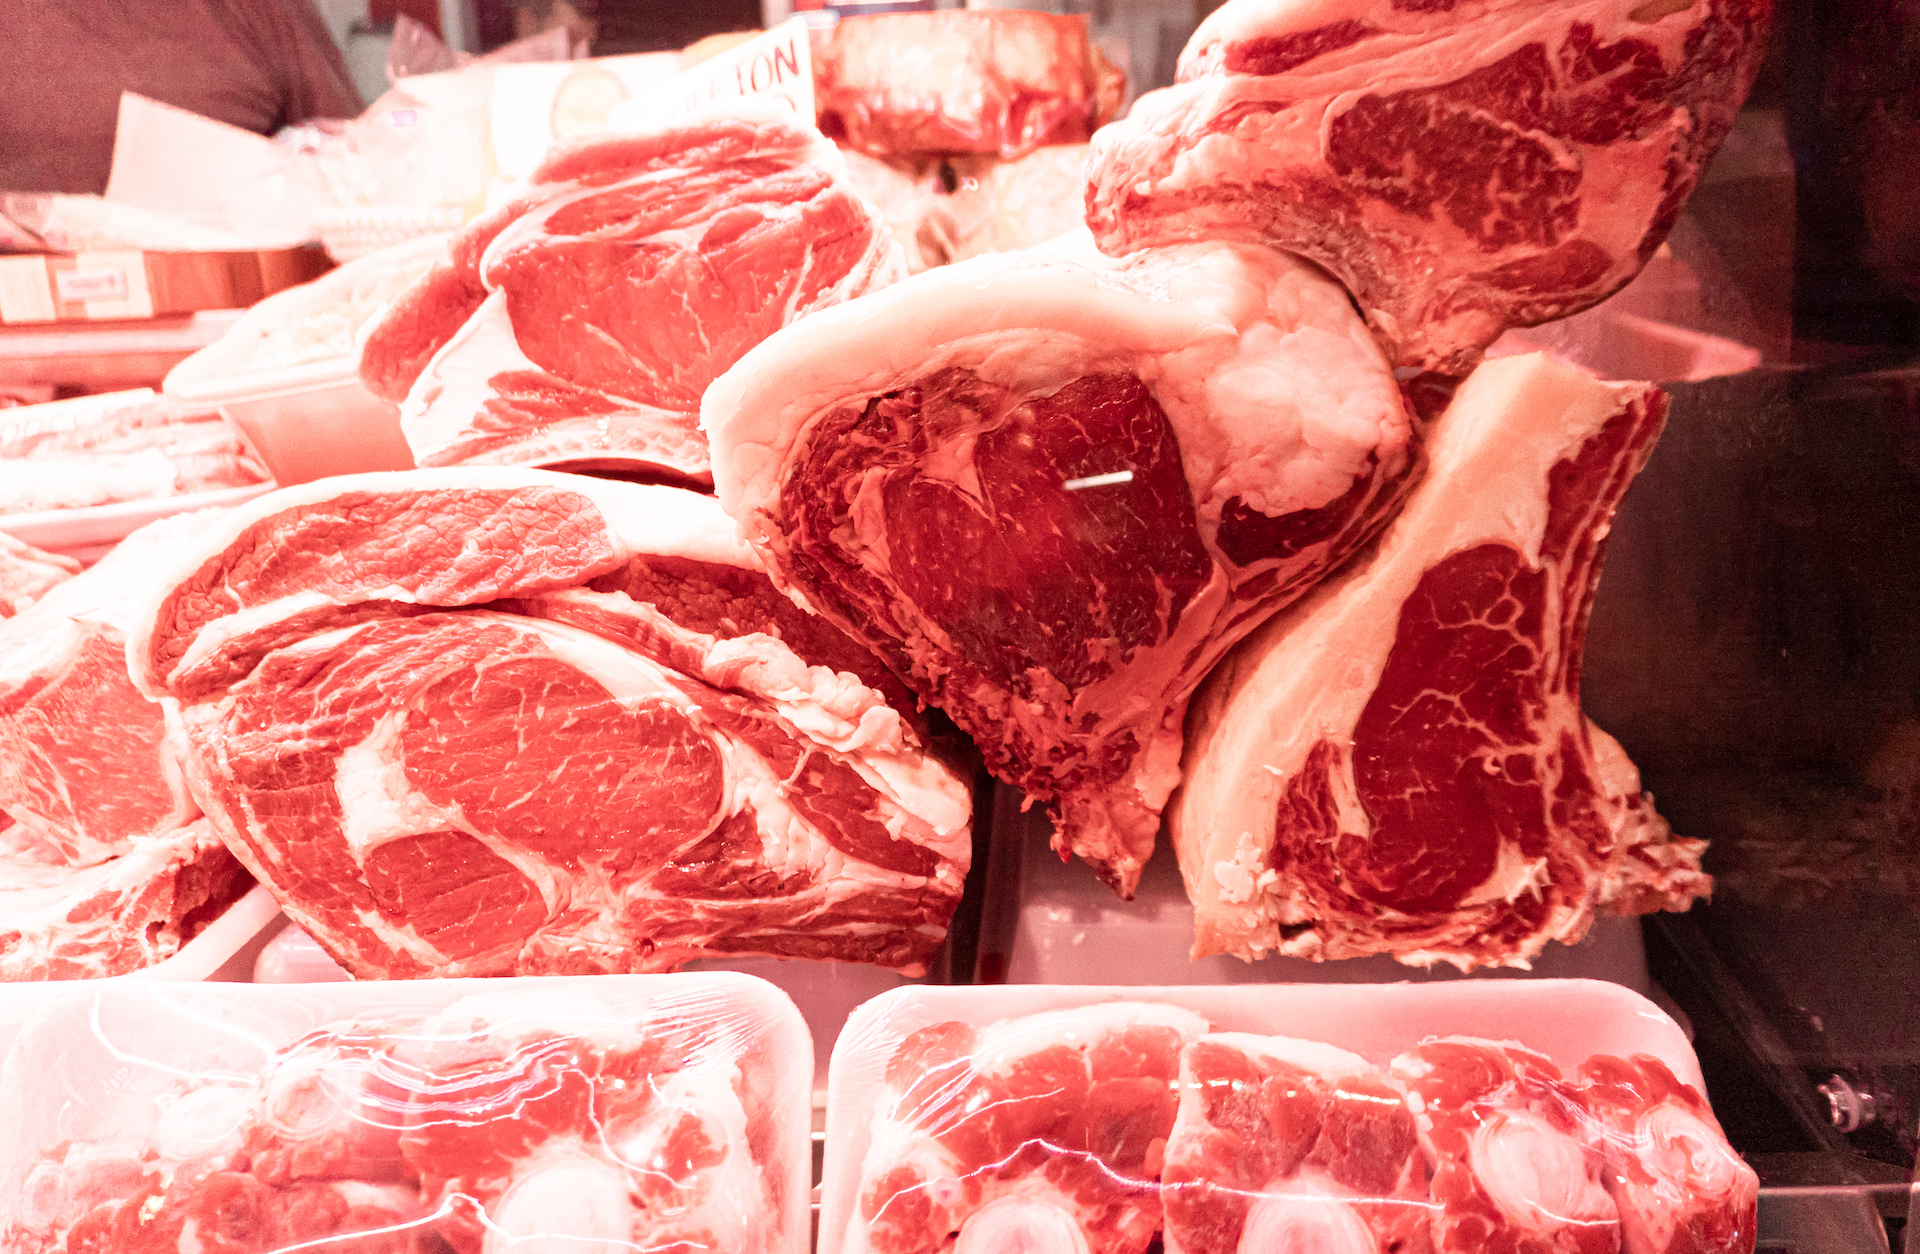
[[1567, 1020]]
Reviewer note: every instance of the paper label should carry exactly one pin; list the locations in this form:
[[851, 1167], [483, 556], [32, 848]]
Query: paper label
[[103, 297], [25, 295], [777, 65]]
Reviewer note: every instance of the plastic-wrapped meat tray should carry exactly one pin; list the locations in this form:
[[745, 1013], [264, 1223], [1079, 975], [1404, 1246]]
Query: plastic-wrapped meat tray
[[1549, 1115], [621, 1112]]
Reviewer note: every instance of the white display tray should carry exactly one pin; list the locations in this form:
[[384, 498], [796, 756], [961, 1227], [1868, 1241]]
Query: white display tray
[[1567, 1020]]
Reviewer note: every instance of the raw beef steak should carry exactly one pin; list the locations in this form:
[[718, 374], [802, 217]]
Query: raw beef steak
[[1514, 1163], [85, 759], [492, 721], [1398, 764], [1462, 168], [579, 325], [1052, 488], [26, 573], [1002, 81], [1291, 1145], [1044, 1132], [61, 922], [1680, 1187]]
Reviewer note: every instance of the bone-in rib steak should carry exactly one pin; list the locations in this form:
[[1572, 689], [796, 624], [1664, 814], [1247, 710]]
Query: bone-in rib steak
[[1052, 487], [1462, 168], [493, 721], [1398, 764]]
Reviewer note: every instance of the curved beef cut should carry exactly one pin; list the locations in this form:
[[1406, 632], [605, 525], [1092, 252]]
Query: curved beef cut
[[1052, 488], [1462, 168], [26, 573], [579, 324], [1398, 764], [493, 721], [1286, 1144]]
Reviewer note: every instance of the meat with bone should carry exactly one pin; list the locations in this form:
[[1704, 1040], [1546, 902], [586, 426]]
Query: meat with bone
[[657, 1138], [1461, 169], [579, 324], [27, 572], [537, 1118], [86, 760], [1053, 487], [1291, 1145], [1514, 1167], [62, 922], [494, 721], [1398, 764], [1039, 1133], [1679, 1186]]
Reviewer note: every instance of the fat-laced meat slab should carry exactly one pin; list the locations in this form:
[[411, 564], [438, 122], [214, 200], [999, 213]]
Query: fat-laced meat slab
[[86, 760], [579, 324], [1039, 1133], [1285, 1144], [1515, 1165], [1052, 488], [62, 922], [494, 721], [1399, 764], [1461, 167], [1679, 1186]]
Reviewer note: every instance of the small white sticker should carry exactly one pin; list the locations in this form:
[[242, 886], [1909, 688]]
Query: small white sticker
[[78, 286]]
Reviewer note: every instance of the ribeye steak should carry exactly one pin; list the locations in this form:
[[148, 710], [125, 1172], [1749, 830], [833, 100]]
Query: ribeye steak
[[1461, 167], [1398, 763], [1052, 488]]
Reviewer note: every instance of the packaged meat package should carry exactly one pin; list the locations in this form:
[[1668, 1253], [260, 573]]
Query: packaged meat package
[[1052, 487], [1002, 81], [501, 721], [1105, 1119], [633, 1112]]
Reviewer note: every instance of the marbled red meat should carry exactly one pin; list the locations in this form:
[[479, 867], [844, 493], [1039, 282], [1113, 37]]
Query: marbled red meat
[[1679, 1186], [1399, 763], [579, 324], [1044, 1132], [1051, 488], [493, 722], [1515, 1166], [1461, 169], [1291, 1145]]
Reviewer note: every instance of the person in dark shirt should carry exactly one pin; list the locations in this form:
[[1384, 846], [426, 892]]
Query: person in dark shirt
[[257, 64]]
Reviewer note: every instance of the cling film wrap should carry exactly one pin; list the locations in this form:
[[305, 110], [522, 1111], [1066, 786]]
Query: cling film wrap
[[613, 1114], [1540, 1116]]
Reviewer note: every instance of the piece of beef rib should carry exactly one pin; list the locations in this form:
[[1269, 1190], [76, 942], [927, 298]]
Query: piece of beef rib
[[1038, 1133], [86, 760], [1053, 487], [61, 922], [1462, 168], [1398, 764], [494, 720], [1286, 1144], [1515, 1164], [1680, 1187], [26, 573], [579, 324]]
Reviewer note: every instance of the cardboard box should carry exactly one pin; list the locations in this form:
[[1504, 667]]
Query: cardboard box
[[96, 286]]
